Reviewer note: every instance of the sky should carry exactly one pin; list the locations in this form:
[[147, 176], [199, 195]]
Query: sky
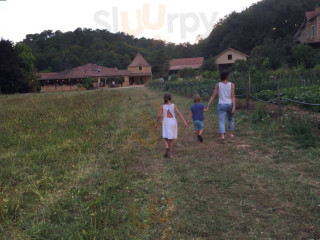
[[168, 20]]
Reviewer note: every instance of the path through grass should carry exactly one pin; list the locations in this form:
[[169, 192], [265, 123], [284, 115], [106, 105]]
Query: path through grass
[[89, 166]]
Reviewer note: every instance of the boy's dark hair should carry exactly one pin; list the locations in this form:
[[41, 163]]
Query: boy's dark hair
[[196, 98], [167, 97], [224, 75]]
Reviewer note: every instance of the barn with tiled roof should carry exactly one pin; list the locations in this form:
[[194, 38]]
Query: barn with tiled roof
[[181, 63], [138, 72]]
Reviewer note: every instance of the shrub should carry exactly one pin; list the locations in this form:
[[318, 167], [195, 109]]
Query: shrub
[[209, 65], [88, 83], [303, 133], [259, 114], [173, 78], [211, 75], [188, 73]]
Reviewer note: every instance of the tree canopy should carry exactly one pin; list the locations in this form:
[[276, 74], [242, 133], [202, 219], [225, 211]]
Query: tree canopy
[[267, 19], [57, 51], [16, 68]]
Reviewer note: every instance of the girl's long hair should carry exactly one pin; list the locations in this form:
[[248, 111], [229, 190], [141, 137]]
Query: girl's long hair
[[167, 97]]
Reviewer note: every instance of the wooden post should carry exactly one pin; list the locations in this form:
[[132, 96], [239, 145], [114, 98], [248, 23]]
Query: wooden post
[[249, 82], [241, 77], [247, 96], [314, 78], [278, 98]]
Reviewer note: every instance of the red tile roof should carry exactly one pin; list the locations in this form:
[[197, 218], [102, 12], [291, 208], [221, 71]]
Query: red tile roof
[[139, 61], [308, 17], [181, 63], [85, 71], [311, 15]]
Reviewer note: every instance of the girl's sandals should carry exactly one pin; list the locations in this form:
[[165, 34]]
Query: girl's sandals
[[170, 156], [167, 153]]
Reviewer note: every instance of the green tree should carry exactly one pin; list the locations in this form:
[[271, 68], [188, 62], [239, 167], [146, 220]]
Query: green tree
[[160, 66], [209, 65], [240, 66], [305, 55], [27, 66], [11, 76]]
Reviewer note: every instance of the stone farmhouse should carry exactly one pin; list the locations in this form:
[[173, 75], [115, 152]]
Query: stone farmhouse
[[309, 31], [138, 73]]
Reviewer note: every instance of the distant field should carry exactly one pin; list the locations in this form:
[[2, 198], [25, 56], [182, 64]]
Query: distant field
[[88, 165]]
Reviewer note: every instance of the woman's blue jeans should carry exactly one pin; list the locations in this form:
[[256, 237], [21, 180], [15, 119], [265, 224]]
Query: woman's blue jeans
[[223, 111]]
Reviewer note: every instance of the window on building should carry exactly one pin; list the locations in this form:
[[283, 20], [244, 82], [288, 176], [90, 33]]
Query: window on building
[[313, 31], [140, 68], [230, 57]]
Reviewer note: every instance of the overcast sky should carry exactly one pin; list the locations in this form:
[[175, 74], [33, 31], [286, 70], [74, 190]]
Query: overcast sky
[[169, 20]]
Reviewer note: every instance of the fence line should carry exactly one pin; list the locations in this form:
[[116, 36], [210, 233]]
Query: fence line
[[190, 88], [205, 92], [303, 103]]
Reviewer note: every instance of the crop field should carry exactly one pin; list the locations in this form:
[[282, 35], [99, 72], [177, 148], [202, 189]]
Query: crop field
[[88, 165]]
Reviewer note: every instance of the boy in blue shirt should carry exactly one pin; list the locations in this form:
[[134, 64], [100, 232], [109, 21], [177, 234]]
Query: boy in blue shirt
[[196, 112]]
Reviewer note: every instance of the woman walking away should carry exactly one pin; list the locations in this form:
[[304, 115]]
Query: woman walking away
[[227, 103], [169, 123]]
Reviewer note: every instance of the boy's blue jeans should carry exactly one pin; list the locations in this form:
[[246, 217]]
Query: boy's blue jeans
[[223, 111]]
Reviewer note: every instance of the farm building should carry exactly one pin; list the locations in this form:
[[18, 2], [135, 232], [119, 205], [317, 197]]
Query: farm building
[[140, 71], [226, 58], [178, 64], [137, 73], [309, 31]]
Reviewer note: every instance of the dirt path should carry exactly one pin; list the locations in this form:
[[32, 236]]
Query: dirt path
[[212, 190]]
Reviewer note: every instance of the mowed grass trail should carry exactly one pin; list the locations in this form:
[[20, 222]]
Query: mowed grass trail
[[88, 165]]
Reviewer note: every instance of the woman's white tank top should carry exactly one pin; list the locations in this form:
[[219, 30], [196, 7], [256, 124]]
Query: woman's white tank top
[[225, 93]]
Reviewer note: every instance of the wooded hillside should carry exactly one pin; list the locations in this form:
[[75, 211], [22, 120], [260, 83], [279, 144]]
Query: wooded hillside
[[266, 27], [267, 19]]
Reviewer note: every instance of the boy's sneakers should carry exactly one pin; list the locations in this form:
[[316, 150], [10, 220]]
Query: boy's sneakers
[[200, 138]]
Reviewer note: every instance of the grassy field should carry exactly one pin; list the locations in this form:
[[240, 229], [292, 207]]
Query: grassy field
[[88, 165]]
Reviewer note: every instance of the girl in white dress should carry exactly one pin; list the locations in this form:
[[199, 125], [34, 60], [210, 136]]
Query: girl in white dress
[[169, 123]]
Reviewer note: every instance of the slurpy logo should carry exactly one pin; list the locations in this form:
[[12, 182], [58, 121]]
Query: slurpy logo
[[181, 23]]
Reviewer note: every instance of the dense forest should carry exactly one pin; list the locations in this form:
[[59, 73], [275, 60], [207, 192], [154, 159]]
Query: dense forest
[[264, 31]]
